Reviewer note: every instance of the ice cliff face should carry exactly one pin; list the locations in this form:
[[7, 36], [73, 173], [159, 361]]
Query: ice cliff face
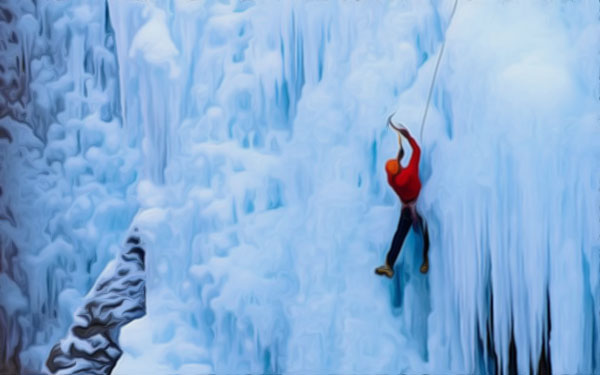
[[65, 173], [247, 141]]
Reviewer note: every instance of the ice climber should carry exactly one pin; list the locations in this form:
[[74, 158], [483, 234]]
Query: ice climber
[[406, 183]]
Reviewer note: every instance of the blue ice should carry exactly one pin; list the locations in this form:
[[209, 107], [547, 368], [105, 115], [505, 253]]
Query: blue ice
[[246, 140]]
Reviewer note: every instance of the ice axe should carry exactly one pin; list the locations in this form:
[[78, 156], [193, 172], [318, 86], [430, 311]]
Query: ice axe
[[399, 131]]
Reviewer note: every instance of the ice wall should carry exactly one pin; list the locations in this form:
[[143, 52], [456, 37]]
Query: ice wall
[[247, 142], [65, 173], [263, 191], [513, 190], [287, 218]]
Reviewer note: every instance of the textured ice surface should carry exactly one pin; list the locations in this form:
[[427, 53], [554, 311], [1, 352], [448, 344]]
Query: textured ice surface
[[66, 170], [247, 141]]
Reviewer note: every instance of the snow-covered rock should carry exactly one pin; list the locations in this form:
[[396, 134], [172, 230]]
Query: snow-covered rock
[[117, 298]]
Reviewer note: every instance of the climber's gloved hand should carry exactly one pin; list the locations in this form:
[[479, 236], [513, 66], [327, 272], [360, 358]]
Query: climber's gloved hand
[[404, 131]]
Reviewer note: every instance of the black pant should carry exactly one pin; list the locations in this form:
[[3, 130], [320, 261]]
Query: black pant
[[406, 220]]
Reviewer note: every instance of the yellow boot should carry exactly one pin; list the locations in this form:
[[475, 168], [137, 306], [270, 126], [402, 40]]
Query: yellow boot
[[385, 270]]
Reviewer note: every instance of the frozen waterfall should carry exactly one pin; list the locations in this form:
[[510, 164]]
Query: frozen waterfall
[[246, 140]]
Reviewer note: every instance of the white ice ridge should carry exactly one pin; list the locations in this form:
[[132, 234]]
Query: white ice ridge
[[118, 297]]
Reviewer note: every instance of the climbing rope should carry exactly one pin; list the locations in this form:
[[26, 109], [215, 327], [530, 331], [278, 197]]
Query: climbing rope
[[437, 65]]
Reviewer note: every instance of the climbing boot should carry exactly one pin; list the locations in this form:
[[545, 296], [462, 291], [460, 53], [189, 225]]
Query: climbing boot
[[385, 270], [425, 266]]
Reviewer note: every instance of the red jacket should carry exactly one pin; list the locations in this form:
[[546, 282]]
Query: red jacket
[[405, 181]]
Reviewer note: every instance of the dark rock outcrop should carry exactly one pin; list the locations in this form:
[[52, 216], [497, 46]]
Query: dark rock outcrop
[[117, 298]]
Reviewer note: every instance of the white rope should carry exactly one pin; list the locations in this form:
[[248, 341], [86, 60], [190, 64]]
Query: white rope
[[437, 65]]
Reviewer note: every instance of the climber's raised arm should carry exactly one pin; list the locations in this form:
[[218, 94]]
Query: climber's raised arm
[[416, 150]]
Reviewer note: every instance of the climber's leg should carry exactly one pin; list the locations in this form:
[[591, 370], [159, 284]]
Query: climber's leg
[[424, 230], [403, 226]]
